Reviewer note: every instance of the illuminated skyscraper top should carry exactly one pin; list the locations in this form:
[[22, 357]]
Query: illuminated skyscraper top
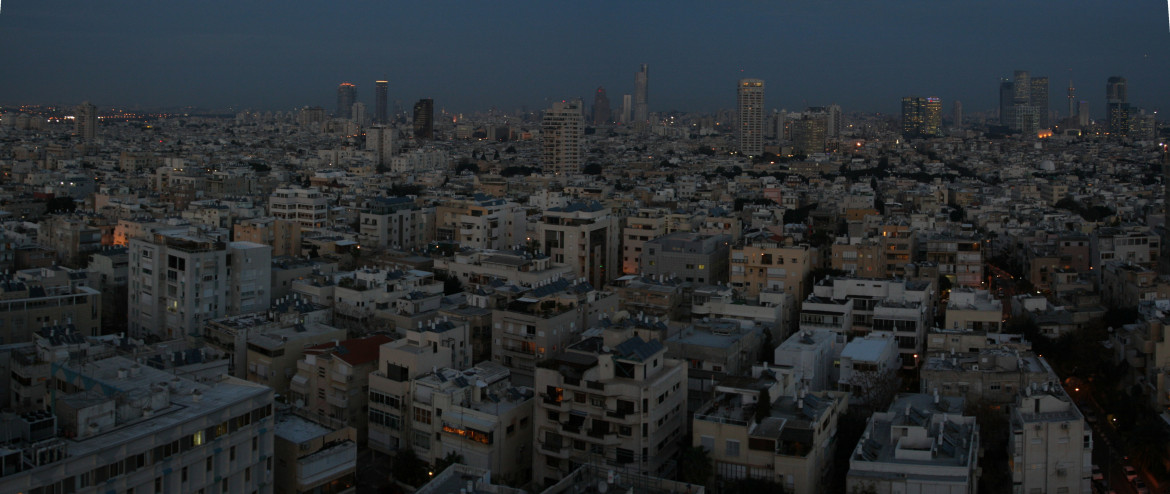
[[346, 97], [381, 88]]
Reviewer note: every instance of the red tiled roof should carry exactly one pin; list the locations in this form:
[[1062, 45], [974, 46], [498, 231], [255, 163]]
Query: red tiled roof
[[357, 351]]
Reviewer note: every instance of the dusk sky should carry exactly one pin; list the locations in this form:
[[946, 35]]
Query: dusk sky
[[863, 55]]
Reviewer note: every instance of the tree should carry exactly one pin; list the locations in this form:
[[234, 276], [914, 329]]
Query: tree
[[446, 461], [63, 204], [695, 466], [592, 169], [1147, 447], [408, 468], [467, 166], [763, 406]]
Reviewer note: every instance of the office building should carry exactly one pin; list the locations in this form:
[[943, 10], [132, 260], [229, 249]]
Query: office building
[[1038, 99], [627, 108], [601, 107], [424, 119], [1072, 100], [921, 117], [923, 443], [118, 426], [641, 101], [1051, 448], [346, 97], [614, 399], [561, 132], [381, 92], [1006, 93], [85, 121], [750, 112], [957, 114], [1117, 108], [809, 134]]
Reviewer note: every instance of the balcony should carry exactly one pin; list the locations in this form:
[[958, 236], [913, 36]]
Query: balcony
[[338, 400]]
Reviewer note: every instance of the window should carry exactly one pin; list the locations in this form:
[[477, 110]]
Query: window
[[255, 443], [732, 448], [183, 475], [422, 415], [208, 464]]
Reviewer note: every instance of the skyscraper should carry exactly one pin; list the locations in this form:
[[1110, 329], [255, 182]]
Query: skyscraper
[[358, 113], [85, 121], [921, 117], [424, 119], [1083, 114], [1117, 106], [808, 134], [600, 107], [957, 114], [1006, 118], [346, 97], [1039, 101], [1072, 100], [750, 108], [627, 108], [381, 88], [560, 133], [641, 86], [1025, 116]]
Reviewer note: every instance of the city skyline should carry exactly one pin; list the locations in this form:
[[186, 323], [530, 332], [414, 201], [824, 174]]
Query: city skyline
[[223, 55]]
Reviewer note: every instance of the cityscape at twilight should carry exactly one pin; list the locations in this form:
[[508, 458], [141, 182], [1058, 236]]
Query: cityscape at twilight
[[450, 247]]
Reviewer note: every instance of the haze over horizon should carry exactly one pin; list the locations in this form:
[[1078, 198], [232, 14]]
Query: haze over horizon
[[863, 56]]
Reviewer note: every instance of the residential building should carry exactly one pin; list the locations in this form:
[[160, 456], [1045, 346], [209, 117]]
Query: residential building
[[1051, 448], [284, 236], [791, 444], [561, 133], [314, 456], [488, 267], [868, 366], [33, 298], [974, 310], [992, 375], [750, 112], [476, 414], [583, 235], [306, 206], [921, 444], [642, 226], [332, 380], [129, 427], [273, 352], [959, 258], [614, 399], [691, 257], [543, 321], [396, 223]]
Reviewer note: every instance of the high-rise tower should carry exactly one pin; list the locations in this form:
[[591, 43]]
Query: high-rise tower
[[957, 114], [750, 107], [346, 97], [1072, 100], [85, 121], [424, 119], [1038, 98], [1006, 117], [560, 133], [381, 89], [921, 117], [600, 107], [627, 108], [641, 86], [1117, 106]]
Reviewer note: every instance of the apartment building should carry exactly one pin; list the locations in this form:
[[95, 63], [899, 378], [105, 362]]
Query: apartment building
[[614, 399], [792, 445], [691, 257], [332, 380], [127, 427], [921, 444], [397, 223], [642, 226], [314, 456], [34, 298], [543, 321], [1051, 448], [584, 236], [307, 206]]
